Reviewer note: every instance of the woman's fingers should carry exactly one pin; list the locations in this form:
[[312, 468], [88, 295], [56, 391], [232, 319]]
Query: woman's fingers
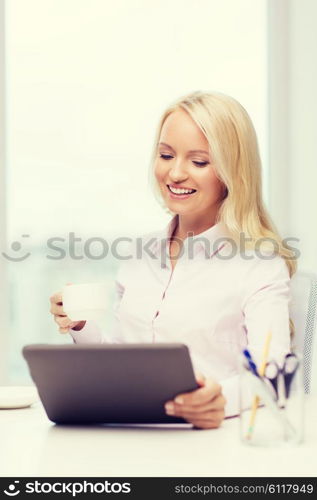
[[207, 415], [56, 298], [200, 396], [200, 378], [63, 330], [57, 302], [206, 420], [203, 407], [55, 309], [63, 321], [206, 424], [217, 403]]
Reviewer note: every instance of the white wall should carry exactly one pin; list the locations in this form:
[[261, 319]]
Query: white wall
[[278, 112], [303, 128], [87, 83], [3, 281], [293, 123]]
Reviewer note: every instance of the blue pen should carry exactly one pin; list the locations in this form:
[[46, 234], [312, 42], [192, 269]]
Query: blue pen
[[251, 363]]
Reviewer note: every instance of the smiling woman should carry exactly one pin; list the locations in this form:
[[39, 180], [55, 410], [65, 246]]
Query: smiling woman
[[187, 177], [206, 169], [224, 167]]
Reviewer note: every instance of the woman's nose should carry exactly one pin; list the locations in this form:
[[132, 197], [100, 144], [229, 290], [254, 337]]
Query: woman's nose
[[178, 171]]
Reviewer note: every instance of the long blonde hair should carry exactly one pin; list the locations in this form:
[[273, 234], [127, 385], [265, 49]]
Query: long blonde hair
[[235, 153]]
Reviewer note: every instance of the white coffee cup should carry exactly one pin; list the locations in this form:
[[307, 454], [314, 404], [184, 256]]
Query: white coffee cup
[[85, 301]]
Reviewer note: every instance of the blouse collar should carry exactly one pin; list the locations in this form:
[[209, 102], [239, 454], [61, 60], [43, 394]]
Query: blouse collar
[[210, 241]]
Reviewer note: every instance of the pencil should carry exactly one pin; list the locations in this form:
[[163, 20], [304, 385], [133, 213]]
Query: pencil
[[256, 399]]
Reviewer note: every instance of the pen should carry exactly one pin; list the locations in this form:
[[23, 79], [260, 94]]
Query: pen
[[256, 400]]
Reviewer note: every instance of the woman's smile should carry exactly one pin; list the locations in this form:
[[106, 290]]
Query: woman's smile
[[179, 192]]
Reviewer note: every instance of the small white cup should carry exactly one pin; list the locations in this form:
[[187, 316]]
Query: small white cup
[[85, 301]]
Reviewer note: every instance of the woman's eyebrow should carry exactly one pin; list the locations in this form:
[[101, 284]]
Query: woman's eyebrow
[[191, 151]]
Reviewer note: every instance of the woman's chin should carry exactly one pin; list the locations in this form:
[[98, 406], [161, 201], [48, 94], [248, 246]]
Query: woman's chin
[[181, 206], [177, 208]]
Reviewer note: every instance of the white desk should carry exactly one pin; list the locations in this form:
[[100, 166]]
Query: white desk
[[31, 445]]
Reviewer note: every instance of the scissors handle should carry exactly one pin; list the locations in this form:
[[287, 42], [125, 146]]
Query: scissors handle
[[271, 370], [272, 374], [291, 363], [290, 367], [281, 378]]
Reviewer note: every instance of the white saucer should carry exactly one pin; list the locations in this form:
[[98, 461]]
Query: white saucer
[[17, 396]]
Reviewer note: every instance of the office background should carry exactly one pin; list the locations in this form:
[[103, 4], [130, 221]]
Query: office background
[[82, 86]]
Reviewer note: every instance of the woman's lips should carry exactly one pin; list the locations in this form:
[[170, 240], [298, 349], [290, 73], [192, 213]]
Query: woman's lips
[[182, 196]]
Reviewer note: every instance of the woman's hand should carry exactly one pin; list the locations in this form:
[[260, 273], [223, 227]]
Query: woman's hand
[[204, 407], [63, 321]]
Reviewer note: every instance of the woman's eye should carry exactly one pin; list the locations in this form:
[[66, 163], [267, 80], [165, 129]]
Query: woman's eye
[[197, 163], [200, 163], [165, 157]]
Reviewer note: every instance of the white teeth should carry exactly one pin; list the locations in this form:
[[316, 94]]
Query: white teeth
[[181, 191]]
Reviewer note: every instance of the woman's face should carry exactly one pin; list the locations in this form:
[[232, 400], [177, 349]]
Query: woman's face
[[184, 170]]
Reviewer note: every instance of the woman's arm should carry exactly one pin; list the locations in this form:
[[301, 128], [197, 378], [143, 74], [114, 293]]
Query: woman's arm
[[265, 308]]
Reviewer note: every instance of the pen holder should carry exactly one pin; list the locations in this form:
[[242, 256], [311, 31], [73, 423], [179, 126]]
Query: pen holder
[[271, 411]]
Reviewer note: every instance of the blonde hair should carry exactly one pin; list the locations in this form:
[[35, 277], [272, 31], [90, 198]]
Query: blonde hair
[[235, 155]]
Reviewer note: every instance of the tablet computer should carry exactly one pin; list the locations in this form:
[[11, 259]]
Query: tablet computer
[[110, 383]]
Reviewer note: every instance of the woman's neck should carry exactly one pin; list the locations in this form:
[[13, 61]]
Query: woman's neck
[[192, 225]]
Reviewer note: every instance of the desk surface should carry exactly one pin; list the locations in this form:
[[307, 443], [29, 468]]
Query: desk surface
[[31, 445]]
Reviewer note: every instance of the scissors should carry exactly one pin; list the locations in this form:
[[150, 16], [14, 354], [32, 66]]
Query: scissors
[[281, 378]]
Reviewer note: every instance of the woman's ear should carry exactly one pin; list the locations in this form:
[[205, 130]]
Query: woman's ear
[[224, 192]]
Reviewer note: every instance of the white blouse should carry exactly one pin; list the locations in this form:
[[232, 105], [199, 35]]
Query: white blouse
[[217, 301]]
